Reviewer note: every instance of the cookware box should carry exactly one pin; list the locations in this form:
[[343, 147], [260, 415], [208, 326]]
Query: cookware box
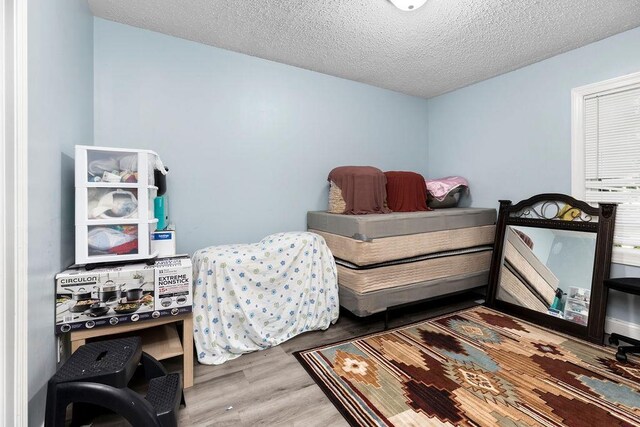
[[106, 297]]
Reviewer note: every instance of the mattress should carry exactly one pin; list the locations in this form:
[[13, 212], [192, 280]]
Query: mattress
[[514, 291], [535, 276], [408, 271], [366, 304], [383, 249], [367, 227]]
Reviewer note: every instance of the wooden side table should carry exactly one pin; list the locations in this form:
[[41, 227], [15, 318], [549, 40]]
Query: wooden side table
[[160, 339]]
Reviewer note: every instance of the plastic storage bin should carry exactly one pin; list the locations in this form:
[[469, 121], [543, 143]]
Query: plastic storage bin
[[114, 204]]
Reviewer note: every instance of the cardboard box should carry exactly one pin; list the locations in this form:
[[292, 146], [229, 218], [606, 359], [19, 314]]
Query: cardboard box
[[106, 297]]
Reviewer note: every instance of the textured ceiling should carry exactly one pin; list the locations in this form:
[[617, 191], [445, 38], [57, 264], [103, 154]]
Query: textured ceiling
[[445, 45]]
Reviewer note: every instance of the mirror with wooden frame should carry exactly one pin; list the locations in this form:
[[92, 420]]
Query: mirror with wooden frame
[[552, 253]]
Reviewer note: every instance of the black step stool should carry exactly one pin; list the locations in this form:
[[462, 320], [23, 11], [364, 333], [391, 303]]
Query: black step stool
[[629, 285], [96, 376]]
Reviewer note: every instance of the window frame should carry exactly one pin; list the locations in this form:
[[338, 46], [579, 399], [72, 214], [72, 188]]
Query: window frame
[[620, 255]]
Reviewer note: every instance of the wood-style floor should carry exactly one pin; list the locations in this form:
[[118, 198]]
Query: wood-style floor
[[270, 387]]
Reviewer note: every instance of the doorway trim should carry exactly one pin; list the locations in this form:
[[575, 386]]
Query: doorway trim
[[14, 380]]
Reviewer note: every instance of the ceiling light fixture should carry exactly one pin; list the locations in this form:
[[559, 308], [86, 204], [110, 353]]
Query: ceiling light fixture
[[408, 5]]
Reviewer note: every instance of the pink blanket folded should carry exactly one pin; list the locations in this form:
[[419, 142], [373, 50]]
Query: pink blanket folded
[[439, 188]]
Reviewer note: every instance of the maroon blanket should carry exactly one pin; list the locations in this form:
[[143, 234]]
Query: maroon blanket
[[406, 192], [363, 189]]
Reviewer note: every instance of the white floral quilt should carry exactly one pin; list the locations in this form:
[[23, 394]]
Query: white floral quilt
[[253, 296]]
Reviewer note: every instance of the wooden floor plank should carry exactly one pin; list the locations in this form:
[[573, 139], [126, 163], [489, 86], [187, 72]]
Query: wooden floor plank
[[270, 387], [299, 406]]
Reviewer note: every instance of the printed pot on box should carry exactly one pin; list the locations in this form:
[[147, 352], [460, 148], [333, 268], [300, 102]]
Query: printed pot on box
[[108, 292], [132, 294], [81, 298]]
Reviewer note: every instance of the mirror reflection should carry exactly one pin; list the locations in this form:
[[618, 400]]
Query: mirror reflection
[[548, 270]]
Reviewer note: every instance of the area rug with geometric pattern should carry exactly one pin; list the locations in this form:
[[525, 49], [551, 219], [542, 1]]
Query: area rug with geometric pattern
[[476, 367]]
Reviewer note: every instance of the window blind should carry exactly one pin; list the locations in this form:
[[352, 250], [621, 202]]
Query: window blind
[[612, 158]]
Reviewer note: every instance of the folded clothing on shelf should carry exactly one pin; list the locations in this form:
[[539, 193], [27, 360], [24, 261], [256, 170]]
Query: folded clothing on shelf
[[114, 239], [114, 204]]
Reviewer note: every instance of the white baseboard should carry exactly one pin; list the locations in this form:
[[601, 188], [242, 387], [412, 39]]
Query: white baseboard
[[622, 327]]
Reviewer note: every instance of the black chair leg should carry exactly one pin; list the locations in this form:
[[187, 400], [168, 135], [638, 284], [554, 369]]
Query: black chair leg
[[621, 355], [623, 350]]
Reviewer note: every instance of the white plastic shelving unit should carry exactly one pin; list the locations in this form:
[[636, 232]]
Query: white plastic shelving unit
[[108, 231]]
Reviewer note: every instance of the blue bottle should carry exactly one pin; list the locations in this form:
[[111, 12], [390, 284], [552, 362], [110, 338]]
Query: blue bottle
[[557, 303], [160, 212]]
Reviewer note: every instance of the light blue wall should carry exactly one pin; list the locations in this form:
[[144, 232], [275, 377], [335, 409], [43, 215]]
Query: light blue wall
[[60, 115], [511, 135], [249, 142]]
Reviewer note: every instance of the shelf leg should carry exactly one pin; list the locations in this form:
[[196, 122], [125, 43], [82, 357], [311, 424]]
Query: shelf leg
[[187, 348]]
